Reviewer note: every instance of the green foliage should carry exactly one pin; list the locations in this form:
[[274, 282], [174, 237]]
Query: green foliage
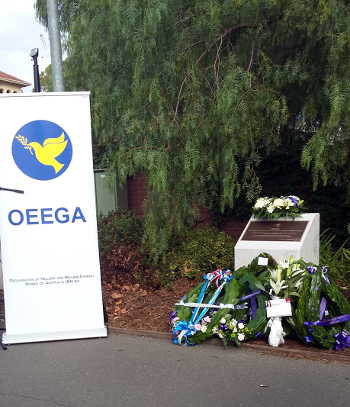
[[120, 226], [336, 260], [280, 174], [119, 236], [46, 79], [194, 92], [198, 252]]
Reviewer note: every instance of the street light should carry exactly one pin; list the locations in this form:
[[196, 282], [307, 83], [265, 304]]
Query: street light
[[34, 53]]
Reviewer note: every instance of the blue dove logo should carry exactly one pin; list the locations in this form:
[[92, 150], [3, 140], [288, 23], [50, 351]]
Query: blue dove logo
[[42, 150]]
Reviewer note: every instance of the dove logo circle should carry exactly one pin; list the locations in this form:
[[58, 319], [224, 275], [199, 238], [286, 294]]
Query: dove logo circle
[[42, 150]]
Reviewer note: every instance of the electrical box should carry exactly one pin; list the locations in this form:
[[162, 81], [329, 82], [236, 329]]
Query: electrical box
[[107, 199]]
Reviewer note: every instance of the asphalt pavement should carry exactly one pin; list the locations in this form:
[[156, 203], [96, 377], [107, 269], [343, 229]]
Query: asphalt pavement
[[133, 371]]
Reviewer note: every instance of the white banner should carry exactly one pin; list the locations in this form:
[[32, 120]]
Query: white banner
[[48, 234]]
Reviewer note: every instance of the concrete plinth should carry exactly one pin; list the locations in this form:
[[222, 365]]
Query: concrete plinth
[[307, 247]]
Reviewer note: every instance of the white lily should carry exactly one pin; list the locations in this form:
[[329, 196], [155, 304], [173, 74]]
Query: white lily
[[284, 264], [273, 274], [277, 286], [279, 273]]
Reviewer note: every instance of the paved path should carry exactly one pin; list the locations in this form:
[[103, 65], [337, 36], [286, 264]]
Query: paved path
[[130, 371]]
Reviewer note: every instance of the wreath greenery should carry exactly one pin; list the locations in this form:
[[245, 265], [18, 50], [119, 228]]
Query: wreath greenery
[[308, 316], [320, 313]]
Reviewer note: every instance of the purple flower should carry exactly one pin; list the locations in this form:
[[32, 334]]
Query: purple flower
[[316, 288], [173, 315], [313, 309], [223, 327]]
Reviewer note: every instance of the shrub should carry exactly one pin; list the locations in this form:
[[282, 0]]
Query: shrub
[[198, 252], [336, 260], [120, 236], [120, 226]]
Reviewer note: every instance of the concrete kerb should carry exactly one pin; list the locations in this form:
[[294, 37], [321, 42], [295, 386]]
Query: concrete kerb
[[334, 356]]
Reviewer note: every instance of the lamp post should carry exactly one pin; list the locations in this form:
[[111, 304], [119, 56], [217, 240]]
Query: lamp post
[[34, 53], [55, 46]]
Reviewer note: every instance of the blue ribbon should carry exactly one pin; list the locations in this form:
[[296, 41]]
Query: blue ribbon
[[294, 200], [341, 340], [200, 298], [186, 329]]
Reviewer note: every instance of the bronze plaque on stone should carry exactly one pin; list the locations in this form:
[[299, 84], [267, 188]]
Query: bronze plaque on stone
[[279, 231]]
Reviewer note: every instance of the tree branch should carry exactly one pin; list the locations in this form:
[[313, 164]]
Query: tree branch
[[224, 34], [178, 98]]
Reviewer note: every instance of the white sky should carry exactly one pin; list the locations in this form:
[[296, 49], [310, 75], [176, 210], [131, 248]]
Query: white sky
[[19, 34]]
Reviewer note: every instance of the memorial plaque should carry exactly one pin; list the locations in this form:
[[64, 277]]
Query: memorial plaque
[[280, 231]]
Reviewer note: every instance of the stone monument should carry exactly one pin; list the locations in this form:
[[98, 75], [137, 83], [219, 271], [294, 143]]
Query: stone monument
[[281, 238]]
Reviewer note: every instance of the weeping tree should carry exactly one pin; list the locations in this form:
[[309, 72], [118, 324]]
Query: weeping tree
[[192, 92]]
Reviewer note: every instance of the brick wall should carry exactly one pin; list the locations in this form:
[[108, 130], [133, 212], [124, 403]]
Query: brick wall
[[137, 193]]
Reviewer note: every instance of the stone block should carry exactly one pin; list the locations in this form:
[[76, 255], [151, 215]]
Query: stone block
[[280, 240]]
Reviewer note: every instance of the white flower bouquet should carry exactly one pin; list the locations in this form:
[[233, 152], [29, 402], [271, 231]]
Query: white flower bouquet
[[274, 208]]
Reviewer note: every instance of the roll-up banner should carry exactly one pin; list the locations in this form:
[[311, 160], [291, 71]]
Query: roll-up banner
[[48, 233]]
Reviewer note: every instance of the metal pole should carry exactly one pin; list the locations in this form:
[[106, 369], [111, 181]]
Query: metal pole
[[35, 68], [34, 54], [55, 46]]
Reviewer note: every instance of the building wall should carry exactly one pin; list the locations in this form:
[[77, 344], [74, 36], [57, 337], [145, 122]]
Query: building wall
[[137, 193], [6, 87]]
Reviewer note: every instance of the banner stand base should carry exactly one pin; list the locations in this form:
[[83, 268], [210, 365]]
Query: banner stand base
[[9, 339]]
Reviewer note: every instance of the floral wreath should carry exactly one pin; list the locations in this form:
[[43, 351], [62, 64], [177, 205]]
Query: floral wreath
[[233, 307], [274, 208], [320, 298]]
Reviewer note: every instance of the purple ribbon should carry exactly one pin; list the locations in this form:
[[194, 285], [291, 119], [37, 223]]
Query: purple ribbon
[[325, 322], [341, 340], [259, 335], [311, 269], [253, 305], [173, 315], [325, 271], [250, 295], [309, 338], [323, 307], [331, 321]]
